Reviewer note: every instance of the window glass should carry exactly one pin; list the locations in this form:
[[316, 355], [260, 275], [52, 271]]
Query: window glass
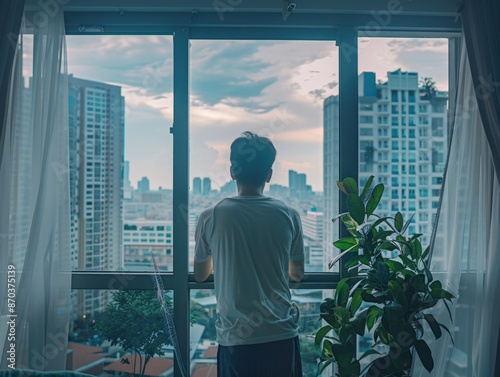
[[267, 88], [203, 337], [120, 111], [100, 317], [413, 70]]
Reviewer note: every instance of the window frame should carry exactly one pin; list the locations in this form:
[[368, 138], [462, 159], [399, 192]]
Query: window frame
[[186, 26]]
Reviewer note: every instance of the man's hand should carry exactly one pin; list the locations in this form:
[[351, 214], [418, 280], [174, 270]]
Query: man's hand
[[202, 270], [296, 270]]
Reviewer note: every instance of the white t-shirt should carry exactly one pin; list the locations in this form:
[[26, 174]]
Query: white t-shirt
[[251, 239]]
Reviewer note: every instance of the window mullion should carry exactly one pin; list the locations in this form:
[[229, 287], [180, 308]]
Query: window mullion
[[180, 132], [348, 117]]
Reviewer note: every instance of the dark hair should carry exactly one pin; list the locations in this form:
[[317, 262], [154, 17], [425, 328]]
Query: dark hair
[[252, 156]]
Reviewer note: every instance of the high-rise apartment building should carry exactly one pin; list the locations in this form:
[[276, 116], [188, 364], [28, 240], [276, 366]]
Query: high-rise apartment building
[[297, 183], [207, 186], [127, 186], [313, 229], [402, 141], [143, 185], [96, 122], [142, 237], [197, 185]]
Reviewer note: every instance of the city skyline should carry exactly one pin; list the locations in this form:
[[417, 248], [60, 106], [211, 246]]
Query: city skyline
[[282, 98]]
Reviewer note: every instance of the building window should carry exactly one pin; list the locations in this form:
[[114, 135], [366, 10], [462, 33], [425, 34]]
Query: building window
[[394, 95]]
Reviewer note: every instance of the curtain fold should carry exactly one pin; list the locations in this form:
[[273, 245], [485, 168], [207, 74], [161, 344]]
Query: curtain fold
[[466, 252], [11, 13], [482, 35], [34, 197]]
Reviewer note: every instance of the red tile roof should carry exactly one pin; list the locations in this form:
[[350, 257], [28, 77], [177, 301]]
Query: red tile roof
[[204, 370], [211, 352], [84, 354]]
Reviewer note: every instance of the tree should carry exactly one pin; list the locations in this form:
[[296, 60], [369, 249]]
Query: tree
[[134, 320], [427, 88]]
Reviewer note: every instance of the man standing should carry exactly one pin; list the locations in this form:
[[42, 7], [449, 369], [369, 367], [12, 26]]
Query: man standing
[[254, 244]]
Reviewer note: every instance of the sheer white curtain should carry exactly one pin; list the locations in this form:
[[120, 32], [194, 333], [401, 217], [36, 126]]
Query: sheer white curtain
[[34, 201], [466, 254]]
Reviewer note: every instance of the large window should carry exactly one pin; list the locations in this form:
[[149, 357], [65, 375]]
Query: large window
[[185, 97]]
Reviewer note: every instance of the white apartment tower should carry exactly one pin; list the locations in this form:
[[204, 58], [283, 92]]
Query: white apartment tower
[[96, 122], [313, 228], [402, 141]]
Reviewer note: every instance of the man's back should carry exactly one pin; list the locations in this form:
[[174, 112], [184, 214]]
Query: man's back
[[251, 239], [254, 244]]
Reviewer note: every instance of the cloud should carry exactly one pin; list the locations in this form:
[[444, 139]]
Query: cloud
[[141, 61], [275, 88], [324, 91], [228, 70], [427, 56]]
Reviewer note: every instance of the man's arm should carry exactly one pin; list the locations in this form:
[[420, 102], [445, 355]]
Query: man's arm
[[202, 270], [296, 270]]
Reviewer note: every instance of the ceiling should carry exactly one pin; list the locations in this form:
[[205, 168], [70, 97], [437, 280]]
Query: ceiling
[[406, 7]]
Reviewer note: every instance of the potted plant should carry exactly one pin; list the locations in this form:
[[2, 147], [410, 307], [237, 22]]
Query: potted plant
[[388, 299]]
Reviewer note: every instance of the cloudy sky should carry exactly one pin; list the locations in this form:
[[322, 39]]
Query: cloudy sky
[[273, 88]]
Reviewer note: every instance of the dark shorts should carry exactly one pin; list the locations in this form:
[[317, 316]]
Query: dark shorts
[[273, 359]]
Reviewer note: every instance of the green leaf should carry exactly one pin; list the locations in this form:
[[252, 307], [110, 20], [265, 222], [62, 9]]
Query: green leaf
[[375, 197], [418, 283], [370, 352], [396, 290], [425, 355], [356, 208], [342, 293], [350, 224], [439, 293], [337, 258], [359, 322], [384, 335], [382, 234], [339, 216], [403, 334], [394, 265], [354, 261], [434, 325], [350, 185], [448, 331], [352, 369], [341, 187], [370, 298], [368, 184], [345, 243], [320, 335], [327, 308], [342, 354], [398, 222], [449, 311], [426, 252], [341, 314], [327, 348], [407, 224], [417, 249], [356, 302], [372, 315], [383, 272], [435, 285], [393, 313], [346, 333]]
